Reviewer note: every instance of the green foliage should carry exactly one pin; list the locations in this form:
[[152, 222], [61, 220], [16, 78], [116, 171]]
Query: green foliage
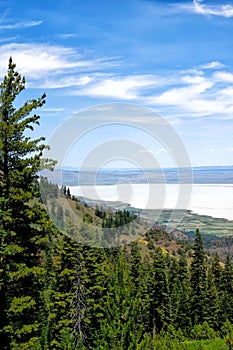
[[120, 328], [160, 307], [202, 331], [21, 236], [198, 279], [57, 294]]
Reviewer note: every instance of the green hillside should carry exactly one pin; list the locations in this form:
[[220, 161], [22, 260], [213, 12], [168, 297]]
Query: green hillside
[[60, 290]]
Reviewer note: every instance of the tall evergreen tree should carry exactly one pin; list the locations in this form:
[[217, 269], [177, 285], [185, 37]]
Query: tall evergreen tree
[[198, 279], [227, 291], [160, 311], [217, 271], [121, 328], [96, 274], [20, 263], [211, 310], [184, 309], [136, 265], [79, 305]]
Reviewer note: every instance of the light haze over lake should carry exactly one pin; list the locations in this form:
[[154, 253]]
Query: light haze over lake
[[215, 200]]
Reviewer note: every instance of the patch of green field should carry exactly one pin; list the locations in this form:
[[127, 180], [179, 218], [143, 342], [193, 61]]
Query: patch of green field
[[188, 221], [206, 224]]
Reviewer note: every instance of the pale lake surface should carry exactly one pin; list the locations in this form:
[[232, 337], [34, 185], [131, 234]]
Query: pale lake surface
[[215, 200]]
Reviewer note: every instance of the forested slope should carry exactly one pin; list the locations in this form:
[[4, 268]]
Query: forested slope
[[57, 293]]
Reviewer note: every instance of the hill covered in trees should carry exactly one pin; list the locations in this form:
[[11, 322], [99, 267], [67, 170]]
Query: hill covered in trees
[[58, 293]]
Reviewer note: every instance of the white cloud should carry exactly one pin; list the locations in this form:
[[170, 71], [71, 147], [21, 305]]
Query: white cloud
[[196, 95], [185, 95], [224, 77], [180, 96], [159, 150], [146, 151], [198, 81], [216, 10], [53, 110], [126, 88], [9, 39], [51, 66], [36, 60], [67, 81], [190, 93], [190, 104], [198, 7], [20, 25], [67, 36], [213, 65]]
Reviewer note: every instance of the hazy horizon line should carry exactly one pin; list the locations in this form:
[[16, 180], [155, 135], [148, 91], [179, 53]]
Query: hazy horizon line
[[70, 168]]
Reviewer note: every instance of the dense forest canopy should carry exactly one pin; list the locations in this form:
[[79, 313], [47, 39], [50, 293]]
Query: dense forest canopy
[[57, 293]]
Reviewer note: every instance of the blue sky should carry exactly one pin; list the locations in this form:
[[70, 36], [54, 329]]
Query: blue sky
[[175, 58]]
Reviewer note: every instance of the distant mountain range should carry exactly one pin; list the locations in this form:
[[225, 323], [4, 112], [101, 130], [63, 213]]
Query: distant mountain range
[[198, 175]]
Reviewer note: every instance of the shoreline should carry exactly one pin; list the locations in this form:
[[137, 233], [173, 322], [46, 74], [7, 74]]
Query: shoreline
[[214, 200]]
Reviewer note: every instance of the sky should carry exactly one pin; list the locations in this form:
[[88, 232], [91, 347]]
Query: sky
[[173, 58]]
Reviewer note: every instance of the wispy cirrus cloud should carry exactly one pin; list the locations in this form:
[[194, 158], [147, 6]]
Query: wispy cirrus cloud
[[198, 95], [126, 88], [52, 65], [67, 35], [146, 151], [38, 60], [224, 10], [20, 25], [53, 109], [212, 65], [200, 8], [205, 90], [191, 93]]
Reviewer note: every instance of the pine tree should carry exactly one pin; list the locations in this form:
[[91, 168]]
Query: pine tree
[[61, 293], [211, 307], [227, 291], [174, 286], [68, 193], [135, 265], [184, 313], [145, 293], [96, 275], [160, 310], [198, 279], [20, 266], [121, 328], [217, 270], [79, 305]]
